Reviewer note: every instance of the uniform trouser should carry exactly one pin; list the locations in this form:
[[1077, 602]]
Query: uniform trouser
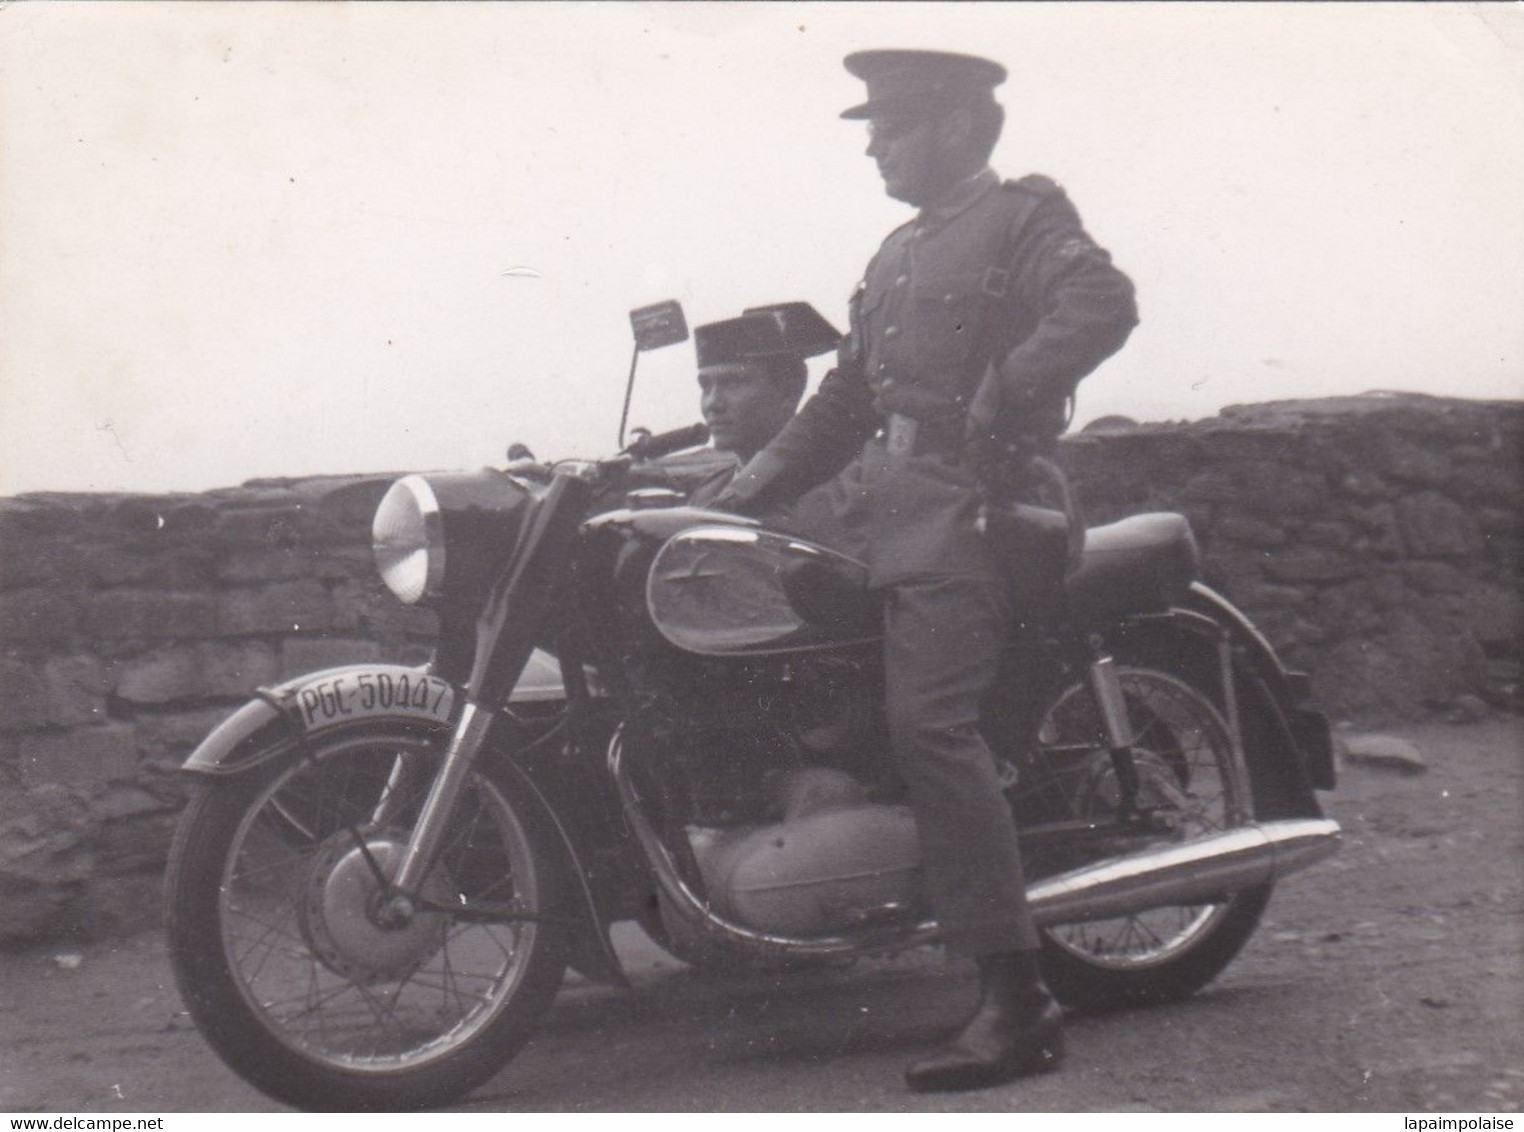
[[942, 640]]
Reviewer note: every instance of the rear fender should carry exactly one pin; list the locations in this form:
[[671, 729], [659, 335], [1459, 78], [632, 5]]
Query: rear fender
[[269, 726], [1189, 639], [1305, 728]]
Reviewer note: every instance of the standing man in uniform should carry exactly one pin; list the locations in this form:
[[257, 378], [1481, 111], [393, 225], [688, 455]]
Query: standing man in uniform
[[972, 326]]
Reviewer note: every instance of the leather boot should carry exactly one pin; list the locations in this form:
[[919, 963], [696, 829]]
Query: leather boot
[[1016, 1030]]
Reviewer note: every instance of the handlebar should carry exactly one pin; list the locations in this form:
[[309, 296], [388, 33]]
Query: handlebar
[[649, 447]]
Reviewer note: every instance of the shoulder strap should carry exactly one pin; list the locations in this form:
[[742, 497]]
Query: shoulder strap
[[1027, 195]]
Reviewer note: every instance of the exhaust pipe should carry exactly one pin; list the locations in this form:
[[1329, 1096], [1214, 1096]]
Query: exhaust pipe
[[1199, 871]]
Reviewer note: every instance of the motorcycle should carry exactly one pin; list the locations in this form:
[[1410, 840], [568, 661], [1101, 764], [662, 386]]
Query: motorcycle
[[672, 715]]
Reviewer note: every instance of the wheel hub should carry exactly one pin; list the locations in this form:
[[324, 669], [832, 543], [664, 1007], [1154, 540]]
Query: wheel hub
[[343, 906], [1159, 791]]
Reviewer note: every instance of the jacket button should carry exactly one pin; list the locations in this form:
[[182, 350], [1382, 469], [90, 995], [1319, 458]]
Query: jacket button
[[949, 298], [902, 280], [891, 331]]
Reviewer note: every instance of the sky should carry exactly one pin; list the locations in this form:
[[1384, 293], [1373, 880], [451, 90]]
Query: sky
[[242, 240]]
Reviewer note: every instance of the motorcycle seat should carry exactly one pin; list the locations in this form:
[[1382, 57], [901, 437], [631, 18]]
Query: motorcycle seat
[[1141, 564]]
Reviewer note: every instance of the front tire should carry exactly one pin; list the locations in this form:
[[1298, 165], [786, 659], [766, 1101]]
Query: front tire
[[291, 974], [1192, 771]]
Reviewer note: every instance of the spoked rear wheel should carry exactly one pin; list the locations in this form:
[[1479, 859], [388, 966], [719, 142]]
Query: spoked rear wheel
[[1193, 779], [289, 962]]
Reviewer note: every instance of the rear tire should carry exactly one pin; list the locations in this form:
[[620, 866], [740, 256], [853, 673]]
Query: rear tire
[[288, 975], [1191, 769]]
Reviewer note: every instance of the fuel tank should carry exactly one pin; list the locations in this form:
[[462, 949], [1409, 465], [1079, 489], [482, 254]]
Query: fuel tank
[[718, 585], [724, 591]]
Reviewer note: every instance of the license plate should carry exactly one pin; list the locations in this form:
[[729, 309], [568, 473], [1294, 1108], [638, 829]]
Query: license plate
[[361, 695]]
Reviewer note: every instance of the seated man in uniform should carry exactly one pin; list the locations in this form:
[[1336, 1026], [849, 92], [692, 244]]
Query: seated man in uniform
[[751, 374]]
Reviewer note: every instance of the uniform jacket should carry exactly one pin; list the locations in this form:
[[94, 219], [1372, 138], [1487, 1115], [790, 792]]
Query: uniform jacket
[[992, 274]]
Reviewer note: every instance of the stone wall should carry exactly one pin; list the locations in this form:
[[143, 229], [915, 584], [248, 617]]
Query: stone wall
[[1376, 540], [130, 625]]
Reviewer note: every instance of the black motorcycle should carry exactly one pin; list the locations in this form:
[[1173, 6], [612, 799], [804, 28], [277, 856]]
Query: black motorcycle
[[675, 716]]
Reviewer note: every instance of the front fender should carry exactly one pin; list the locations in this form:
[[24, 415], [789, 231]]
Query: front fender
[[264, 727], [350, 693]]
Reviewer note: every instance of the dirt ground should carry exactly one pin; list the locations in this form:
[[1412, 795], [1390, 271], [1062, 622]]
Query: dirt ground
[[1389, 978]]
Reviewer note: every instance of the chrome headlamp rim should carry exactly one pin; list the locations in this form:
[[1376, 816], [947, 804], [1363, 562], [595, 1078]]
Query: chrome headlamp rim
[[432, 517]]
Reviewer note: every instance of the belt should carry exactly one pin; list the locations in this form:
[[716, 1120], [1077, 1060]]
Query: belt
[[906, 436]]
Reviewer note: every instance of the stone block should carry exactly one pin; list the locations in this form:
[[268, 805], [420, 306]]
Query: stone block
[[1385, 752], [1333, 536], [394, 622], [1255, 595], [261, 526], [1310, 564], [196, 671], [166, 740], [26, 703], [1377, 531], [124, 800], [236, 668], [37, 617], [1435, 578], [188, 518], [300, 606], [1436, 527], [156, 566], [77, 687], [161, 676], [1400, 669], [119, 615], [1248, 531], [136, 844], [43, 514], [39, 560], [1495, 616], [1399, 458], [83, 757], [1275, 489], [1362, 484], [278, 564], [1211, 487], [1498, 481], [300, 655]]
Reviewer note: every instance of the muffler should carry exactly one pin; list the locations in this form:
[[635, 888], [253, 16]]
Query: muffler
[[1199, 871]]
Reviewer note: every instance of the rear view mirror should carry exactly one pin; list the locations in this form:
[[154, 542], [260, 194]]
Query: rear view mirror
[[655, 326], [658, 325]]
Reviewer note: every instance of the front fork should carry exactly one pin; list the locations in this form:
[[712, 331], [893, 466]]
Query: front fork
[[433, 818], [509, 623]]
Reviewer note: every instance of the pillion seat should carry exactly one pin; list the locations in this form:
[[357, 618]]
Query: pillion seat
[[1141, 564]]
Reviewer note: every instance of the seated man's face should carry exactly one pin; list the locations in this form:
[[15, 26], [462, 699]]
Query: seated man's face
[[744, 406]]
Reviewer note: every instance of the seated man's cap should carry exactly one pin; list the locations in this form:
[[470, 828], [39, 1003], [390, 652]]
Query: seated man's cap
[[907, 82], [794, 330]]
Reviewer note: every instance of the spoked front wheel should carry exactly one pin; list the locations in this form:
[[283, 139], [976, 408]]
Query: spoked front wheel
[[1192, 780], [302, 976]]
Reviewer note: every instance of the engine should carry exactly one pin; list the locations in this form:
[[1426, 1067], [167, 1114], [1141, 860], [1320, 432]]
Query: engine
[[772, 785]]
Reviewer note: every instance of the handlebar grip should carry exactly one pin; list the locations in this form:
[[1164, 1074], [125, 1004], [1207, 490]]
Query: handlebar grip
[[664, 443]]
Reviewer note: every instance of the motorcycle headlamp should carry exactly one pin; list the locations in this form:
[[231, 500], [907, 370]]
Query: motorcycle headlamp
[[407, 537]]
